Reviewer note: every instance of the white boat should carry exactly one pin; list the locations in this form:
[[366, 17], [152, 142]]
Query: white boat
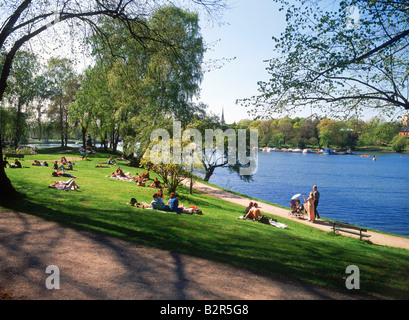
[[284, 150], [297, 150], [275, 149], [306, 151]]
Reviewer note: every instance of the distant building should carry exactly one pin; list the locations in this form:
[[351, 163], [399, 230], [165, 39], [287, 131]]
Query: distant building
[[404, 132], [405, 124], [405, 120]]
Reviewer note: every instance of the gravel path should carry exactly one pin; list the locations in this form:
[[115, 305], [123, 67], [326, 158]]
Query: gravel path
[[375, 237], [93, 266]]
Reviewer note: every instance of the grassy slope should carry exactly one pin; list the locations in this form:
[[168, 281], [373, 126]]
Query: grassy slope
[[300, 252]]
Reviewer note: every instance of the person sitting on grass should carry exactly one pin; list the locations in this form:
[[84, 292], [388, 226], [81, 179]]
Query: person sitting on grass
[[119, 172], [5, 162], [158, 204], [173, 203], [36, 163], [254, 213], [62, 185], [155, 184], [140, 182], [55, 165], [16, 164], [44, 164], [111, 161], [70, 167], [160, 193], [248, 208]]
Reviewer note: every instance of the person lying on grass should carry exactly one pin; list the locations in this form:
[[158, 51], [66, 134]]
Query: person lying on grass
[[135, 203], [62, 185], [61, 174]]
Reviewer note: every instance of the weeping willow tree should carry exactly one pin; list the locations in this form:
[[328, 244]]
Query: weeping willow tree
[[22, 21]]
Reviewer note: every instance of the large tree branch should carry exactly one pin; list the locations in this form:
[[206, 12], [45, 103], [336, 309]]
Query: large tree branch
[[7, 28], [365, 55]]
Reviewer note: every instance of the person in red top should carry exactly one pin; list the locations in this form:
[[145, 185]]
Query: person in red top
[[61, 174]]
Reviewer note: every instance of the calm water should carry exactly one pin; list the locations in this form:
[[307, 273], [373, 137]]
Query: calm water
[[354, 189]]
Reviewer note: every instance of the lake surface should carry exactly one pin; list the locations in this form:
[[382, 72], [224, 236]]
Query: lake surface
[[354, 189]]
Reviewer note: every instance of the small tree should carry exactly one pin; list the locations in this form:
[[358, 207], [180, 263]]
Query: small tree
[[171, 168]]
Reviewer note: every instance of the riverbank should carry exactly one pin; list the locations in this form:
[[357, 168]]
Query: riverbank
[[300, 253], [377, 238]]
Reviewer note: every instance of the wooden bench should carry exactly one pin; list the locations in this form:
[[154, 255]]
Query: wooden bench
[[14, 155], [340, 226]]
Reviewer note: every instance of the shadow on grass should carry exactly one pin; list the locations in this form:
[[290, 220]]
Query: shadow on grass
[[284, 255]]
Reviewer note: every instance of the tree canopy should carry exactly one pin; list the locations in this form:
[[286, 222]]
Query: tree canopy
[[24, 20], [340, 57]]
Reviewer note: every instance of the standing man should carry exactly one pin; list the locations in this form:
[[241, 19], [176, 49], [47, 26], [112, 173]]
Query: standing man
[[316, 200]]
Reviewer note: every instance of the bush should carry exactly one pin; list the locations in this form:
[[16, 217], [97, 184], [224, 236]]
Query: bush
[[399, 143]]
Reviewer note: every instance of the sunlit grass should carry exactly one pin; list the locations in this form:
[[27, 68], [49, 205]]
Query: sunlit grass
[[300, 252]]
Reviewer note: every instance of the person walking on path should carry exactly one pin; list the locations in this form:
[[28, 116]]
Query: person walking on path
[[316, 200], [310, 207]]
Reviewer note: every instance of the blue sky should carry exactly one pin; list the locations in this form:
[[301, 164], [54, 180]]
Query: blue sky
[[246, 35]]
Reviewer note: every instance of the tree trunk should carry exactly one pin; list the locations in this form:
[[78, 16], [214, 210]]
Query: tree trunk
[[84, 139], [7, 190], [105, 143], [209, 172], [17, 138]]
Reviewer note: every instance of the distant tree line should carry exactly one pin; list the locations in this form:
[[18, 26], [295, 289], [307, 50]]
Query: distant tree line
[[325, 132]]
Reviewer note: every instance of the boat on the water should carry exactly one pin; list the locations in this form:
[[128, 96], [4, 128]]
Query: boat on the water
[[327, 151]]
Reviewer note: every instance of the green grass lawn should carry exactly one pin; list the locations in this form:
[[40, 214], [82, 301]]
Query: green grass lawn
[[300, 252]]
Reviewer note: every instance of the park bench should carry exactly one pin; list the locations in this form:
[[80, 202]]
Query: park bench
[[340, 226], [14, 155]]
